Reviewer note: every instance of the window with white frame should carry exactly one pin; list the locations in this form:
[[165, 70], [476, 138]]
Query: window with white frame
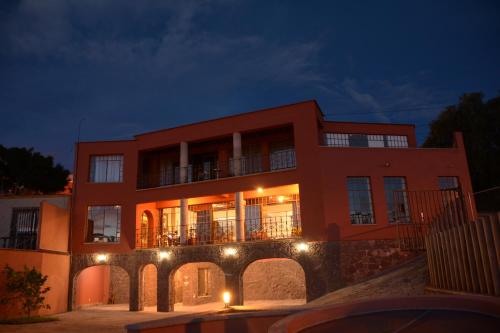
[[360, 200], [365, 140], [106, 169], [448, 183], [103, 224], [396, 199]]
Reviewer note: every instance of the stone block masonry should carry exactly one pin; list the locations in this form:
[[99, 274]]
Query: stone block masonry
[[326, 266]]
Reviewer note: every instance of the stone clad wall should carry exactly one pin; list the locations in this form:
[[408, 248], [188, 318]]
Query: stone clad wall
[[362, 259], [149, 285], [327, 266], [186, 284], [274, 279], [119, 285]]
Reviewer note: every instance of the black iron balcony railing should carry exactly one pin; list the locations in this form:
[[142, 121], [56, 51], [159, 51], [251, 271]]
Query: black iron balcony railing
[[219, 232], [216, 169], [23, 242]]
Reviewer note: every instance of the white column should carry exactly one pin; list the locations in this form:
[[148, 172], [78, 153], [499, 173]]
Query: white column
[[183, 233], [183, 163], [240, 216], [237, 154]]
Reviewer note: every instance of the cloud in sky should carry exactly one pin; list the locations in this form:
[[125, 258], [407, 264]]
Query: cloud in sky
[[132, 66]]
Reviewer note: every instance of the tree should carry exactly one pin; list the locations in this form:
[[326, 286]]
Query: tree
[[26, 287], [24, 171], [480, 124]]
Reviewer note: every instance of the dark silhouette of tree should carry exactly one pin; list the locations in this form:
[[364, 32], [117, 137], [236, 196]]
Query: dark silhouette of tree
[[24, 171], [479, 122]]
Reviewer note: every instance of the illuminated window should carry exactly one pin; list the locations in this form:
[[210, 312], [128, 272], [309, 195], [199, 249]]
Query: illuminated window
[[360, 200], [106, 169], [103, 224]]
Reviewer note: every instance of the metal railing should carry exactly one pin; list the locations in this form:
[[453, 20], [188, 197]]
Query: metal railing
[[216, 169], [218, 232], [25, 242]]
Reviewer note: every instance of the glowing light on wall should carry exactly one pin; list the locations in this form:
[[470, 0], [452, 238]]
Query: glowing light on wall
[[164, 255], [281, 199], [302, 247], [230, 252], [101, 258]]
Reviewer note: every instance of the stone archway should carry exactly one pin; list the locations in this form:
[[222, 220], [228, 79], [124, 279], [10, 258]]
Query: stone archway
[[279, 281], [196, 283], [149, 279], [101, 285]]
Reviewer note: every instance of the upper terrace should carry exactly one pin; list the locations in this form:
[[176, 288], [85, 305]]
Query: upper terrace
[[226, 156]]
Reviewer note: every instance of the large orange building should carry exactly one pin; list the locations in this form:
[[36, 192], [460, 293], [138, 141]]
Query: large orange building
[[275, 183]]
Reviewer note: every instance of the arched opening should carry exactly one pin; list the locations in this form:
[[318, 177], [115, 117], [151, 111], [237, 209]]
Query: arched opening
[[146, 238], [149, 287], [102, 285], [197, 287], [274, 282]]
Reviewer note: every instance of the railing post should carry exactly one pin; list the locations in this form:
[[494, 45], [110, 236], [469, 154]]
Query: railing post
[[183, 163], [184, 221], [240, 216], [237, 154]]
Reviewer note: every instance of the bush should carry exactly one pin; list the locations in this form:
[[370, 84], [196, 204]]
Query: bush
[[25, 287]]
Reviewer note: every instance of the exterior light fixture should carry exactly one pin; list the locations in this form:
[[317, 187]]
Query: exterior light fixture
[[230, 252], [164, 255], [302, 247], [260, 190], [281, 199], [101, 258], [226, 297]]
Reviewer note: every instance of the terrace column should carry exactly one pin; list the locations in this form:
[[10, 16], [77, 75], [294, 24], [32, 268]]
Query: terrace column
[[239, 204], [237, 154], [184, 221], [183, 163]]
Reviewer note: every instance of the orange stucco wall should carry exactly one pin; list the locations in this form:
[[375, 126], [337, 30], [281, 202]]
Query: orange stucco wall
[[320, 173], [92, 286], [54, 228], [55, 265]]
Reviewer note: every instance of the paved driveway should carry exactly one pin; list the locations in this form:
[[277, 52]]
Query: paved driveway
[[108, 318], [113, 318]]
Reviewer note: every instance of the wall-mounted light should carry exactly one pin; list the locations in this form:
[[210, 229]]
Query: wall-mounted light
[[260, 190], [101, 258], [226, 297], [230, 251], [281, 199], [165, 255], [302, 247]]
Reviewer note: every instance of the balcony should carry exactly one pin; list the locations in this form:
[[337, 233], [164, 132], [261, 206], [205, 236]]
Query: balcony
[[219, 232], [254, 215], [211, 167]]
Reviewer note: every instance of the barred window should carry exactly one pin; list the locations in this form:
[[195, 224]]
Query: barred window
[[448, 183], [396, 141], [360, 201], [103, 224], [394, 186], [337, 140], [365, 140], [106, 169]]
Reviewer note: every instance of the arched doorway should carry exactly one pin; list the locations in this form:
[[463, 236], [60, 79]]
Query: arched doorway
[[146, 238], [197, 287], [102, 285], [149, 287], [274, 281]]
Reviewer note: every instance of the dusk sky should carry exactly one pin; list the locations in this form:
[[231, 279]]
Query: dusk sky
[[127, 67]]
